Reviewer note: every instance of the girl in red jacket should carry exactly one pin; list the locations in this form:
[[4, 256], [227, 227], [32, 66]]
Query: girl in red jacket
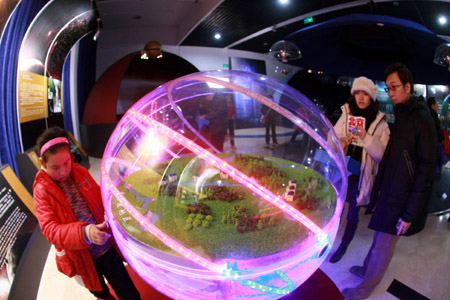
[[71, 216]]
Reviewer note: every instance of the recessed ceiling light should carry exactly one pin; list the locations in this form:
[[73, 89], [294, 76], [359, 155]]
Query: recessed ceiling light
[[217, 36], [283, 1], [442, 20], [380, 24]]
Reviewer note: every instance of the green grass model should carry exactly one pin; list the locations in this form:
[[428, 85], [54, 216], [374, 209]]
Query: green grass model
[[216, 216]]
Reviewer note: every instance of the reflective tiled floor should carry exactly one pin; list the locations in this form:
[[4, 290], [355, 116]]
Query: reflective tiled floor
[[421, 262]]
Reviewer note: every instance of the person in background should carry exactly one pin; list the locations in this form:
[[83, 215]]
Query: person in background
[[71, 216], [434, 109], [270, 121], [294, 135], [442, 157], [402, 187], [369, 150], [231, 114], [216, 114]]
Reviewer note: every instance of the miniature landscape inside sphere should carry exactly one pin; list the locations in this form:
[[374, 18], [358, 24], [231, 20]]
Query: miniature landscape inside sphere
[[198, 218]]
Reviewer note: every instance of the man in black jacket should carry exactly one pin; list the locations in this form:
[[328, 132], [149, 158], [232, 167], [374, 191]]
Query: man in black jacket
[[401, 191]]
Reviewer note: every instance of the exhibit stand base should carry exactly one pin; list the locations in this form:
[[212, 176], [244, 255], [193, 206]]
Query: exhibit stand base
[[318, 287]]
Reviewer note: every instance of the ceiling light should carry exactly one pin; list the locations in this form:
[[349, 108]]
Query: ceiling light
[[217, 36], [442, 20], [285, 51], [283, 1], [152, 50]]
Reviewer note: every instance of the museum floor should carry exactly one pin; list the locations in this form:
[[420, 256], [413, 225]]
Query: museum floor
[[421, 262]]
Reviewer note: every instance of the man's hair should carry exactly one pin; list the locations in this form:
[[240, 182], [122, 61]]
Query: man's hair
[[431, 101], [403, 73]]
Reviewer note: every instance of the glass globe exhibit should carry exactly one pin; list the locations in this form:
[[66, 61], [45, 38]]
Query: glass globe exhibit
[[198, 218], [445, 113]]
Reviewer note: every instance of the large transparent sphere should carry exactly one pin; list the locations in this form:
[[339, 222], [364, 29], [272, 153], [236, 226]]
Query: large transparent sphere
[[199, 219]]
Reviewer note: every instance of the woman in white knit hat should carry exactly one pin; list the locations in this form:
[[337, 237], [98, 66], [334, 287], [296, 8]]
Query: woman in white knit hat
[[364, 143]]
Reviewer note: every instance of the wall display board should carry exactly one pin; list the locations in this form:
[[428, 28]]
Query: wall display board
[[46, 44], [29, 164], [17, 224], [31, 97], [248, 111], [34, 158]]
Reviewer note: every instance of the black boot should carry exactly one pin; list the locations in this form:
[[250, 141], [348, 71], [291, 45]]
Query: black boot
[[349, 233], [338, 254]]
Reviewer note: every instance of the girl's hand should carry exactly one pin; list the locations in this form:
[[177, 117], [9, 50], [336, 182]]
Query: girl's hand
[[361, 133], [99, 237]]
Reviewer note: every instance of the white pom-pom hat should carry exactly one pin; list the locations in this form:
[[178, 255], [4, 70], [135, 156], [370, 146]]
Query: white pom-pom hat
[[365, 84]]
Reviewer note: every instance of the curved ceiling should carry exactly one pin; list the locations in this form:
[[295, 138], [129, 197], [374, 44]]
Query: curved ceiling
[[255, 25]]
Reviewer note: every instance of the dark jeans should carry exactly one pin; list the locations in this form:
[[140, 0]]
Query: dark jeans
[[270, 125], [294, 135], [231, 131], [218, 139], [352, 193], [111, 266]]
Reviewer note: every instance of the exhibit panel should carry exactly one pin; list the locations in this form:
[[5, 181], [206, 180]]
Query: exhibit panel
[[196, 222], [23, 248]]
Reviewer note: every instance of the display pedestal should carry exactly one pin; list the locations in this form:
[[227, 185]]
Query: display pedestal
[[319, 286]]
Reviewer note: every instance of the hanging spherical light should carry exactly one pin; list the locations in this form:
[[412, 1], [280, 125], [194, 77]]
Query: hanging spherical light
[[442, 55], [285, 51], [152, 50]]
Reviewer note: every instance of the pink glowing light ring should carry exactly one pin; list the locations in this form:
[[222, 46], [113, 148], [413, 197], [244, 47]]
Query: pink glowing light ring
[[178, 276], [294, 260], [337, 156], [112, 160], [141, 127], [166, 239], [233, 172], [140, 255], [182, 118], [140, 258], [225, 167], [218, 269]]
